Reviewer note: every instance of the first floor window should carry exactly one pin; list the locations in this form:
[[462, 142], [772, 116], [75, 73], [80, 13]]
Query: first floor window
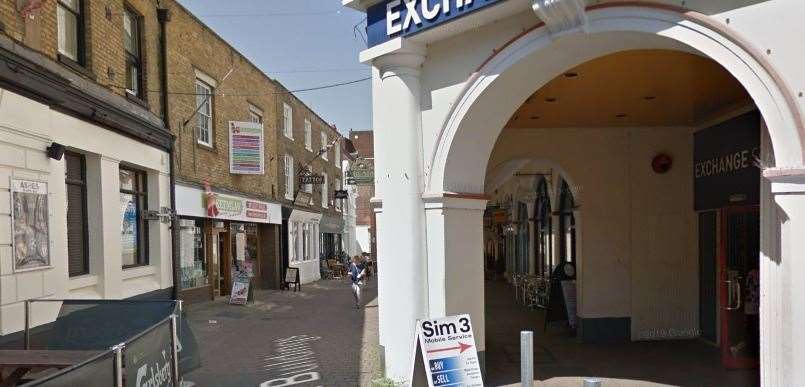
[[204, 113], [70, 19], [324, 195], [134, 228], [308, 135], [255, 114], [134, 60], [338, 187], [75, 178], [324, 145], [289, 176], [287, 120]]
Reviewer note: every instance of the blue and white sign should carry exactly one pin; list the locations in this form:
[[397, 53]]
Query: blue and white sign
[[448, 352], [392, 18]]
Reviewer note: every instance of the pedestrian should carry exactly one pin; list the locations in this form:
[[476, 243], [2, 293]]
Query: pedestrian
[[356, 274]]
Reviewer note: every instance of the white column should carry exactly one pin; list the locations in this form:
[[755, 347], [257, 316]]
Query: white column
[[103, 186], [401, 252], [782, 290]]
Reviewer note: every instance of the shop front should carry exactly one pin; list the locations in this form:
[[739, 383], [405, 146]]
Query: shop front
[[331, 233], [302, 244], [223, 235]]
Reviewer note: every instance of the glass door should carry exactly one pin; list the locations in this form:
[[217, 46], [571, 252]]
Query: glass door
[[740, 287]]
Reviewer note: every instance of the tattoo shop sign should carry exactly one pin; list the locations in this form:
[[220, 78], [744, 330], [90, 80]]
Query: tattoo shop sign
[[447, 349]]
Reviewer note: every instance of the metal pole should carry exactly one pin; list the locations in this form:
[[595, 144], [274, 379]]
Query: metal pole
[[527, 358], [119, 364], [591, 383], [174, 342], [27, 324]]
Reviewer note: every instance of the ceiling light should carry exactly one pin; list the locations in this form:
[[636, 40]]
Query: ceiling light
[[550, 99], [534, 117], [571, 74], [621, 115], [649, 98]]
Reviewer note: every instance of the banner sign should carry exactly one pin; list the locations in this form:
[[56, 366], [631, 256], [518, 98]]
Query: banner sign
[[447, 348], [392, 18], [30, 224], [724, 161], [148, 359], [246, 148]]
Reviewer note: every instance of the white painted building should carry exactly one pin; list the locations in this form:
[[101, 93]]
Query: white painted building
[[351, 245], [463, 99]]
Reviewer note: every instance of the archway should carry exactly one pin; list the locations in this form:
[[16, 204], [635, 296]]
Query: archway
[[498, 88]]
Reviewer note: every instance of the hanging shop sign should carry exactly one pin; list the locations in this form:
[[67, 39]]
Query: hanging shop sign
[[311, 179], [362, 172], [191, 201], [725, 167], [447, 349], [246, 148], [29, 224], [341, 194], [392, 18]]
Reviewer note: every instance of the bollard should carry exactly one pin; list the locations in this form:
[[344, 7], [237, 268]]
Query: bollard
[[591, 383], [527, 358]]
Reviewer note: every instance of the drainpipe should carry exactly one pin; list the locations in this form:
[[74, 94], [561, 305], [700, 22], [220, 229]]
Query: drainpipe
[[163, 15]]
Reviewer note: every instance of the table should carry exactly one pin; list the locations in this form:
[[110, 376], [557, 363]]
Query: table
[[22, 361]]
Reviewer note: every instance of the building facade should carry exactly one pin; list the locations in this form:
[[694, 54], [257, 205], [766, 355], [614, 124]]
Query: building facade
[[365, 222], [312, 218], [84, 155], [223, 113], [497, 149]]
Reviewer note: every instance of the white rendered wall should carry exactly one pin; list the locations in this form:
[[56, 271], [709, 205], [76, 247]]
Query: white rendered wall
[[26, 129]]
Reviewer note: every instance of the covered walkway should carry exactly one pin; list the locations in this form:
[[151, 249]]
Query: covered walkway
[[561, 361]]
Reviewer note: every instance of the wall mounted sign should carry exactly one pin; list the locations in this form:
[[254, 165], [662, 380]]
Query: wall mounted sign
[[29, 224], [725, 172], [311, 179], [362, 172], [341, 194], [246, 148], [447, 348], [191, 201], [392, 18]]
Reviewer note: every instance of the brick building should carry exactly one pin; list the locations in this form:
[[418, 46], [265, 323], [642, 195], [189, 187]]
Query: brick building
[[363, 140], [84, 155], [312, 218]]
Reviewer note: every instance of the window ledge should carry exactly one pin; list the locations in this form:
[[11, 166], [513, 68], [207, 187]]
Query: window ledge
[[138, 271], [82, 281], [209, 148], [136, 99], [75, 66]]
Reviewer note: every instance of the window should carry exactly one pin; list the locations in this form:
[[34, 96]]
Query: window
[[337, 154], [287, 119], [305, 241], [204, 113], [134, 229], [75, 177], [324, 196], [338, 187], [567, 225], [132, 44], [70, 19], [324, 145], [308, 135], [543, 226], [255, 114], [289, 177]]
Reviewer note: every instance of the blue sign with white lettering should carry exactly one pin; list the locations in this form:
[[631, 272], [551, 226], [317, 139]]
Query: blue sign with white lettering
[[392, 18]]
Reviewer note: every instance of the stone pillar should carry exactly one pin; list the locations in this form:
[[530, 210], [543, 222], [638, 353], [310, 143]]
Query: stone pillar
[[398, 170], [782, 268]]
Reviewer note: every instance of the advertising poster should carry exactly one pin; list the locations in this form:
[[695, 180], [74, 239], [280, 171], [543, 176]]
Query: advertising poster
[[246, 150], [148, 359], [448, 352], [240, 290], [30, 229]]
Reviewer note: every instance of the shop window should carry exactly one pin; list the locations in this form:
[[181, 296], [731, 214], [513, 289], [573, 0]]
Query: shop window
[[70, 19], [77, 234], [255, 114], [305, 241], [543, 223], [134, 227], [324, 195], [192, 252], [204, 129], [287, 120], [567, 225], [289, 176], [132, 25], [324, 150], [308, 135]]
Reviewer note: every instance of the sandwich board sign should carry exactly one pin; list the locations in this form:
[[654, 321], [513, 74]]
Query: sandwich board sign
[[447, 348]]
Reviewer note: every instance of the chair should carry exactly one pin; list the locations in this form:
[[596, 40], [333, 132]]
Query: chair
[[326, 272]]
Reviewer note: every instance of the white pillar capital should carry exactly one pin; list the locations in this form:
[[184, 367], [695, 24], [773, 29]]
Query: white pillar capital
[[561, 16], [406, 61]]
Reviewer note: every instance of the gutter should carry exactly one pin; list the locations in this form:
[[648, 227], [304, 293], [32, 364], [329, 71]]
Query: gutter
[[163, 15]]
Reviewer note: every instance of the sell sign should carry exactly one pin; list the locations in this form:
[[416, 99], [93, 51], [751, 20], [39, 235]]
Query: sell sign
[[392, 18], [448, 352]]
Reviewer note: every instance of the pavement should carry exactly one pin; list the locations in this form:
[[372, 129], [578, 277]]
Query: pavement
[[315, 337]]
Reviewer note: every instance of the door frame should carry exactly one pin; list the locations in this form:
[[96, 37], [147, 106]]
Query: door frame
[[726, 356]]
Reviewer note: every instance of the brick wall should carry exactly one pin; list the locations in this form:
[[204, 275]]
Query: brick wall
[[363, 140]]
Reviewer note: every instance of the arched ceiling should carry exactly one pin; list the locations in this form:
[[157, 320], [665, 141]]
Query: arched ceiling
[[633, 89]]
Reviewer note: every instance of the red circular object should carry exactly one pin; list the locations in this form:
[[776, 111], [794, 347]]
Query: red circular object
[[662, 163]]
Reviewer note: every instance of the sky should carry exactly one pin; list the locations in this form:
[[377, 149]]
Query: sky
[[302, 44]]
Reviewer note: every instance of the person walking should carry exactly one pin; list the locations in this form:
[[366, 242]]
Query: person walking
[[356, 274]]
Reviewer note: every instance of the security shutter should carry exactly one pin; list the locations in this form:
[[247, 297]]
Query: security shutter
[[75, 179]]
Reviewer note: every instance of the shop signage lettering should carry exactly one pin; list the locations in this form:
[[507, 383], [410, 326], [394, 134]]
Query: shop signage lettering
[[229, 206], [727, 163], [311, 179], [447, 348], [393, 18], [232, 207]]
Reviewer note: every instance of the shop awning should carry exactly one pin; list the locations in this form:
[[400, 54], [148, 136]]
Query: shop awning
[[331, 224]]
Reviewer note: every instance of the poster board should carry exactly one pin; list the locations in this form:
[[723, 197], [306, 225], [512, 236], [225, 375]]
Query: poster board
[[246, 148], [446, 347], [569, 295], [30, 224], [240, 289], [561, 296], [292, 277]]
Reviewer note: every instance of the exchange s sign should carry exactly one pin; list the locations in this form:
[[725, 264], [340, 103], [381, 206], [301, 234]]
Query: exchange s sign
[[392, 18]]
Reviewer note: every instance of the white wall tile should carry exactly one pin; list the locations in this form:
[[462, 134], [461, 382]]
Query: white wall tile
[[12, 318], [30, 284], [8, 289], [37, 160], [6, 260], [5, 202], [5, 177], [5, 229], [12, 156]]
